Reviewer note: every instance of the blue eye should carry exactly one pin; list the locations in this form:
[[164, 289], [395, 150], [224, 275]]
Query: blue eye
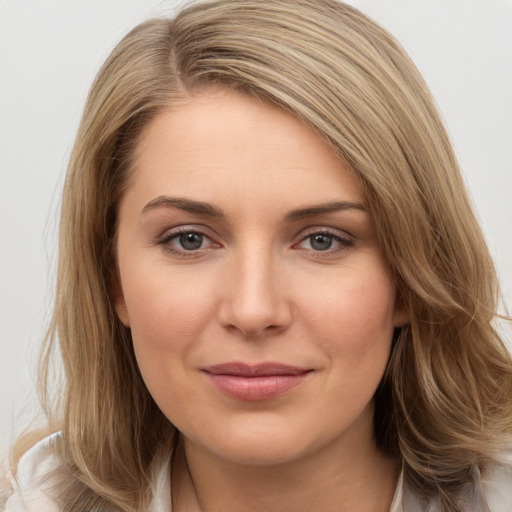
[[183, 242], [320, 241], [190, 241], [324, 241]]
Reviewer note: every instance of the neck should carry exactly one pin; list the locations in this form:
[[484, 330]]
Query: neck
[[343, 476]]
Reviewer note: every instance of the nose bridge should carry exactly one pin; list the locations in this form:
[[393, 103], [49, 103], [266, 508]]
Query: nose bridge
[[254, 299]]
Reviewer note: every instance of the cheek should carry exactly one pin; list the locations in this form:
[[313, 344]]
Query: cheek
[[353, 324], [165, 327], [166, 319], [360, 310], [165, 309]]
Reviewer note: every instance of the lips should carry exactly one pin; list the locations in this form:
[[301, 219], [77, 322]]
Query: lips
[[252, 383]]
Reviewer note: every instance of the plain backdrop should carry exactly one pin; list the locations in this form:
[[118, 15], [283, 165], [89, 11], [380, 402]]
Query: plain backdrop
[[50, 51]]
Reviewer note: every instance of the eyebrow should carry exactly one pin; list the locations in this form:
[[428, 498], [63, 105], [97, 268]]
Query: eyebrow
[[322, 209], [187, 205], [208, 210]]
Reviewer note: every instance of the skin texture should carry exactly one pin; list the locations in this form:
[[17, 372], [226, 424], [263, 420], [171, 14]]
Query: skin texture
[[309, 289]]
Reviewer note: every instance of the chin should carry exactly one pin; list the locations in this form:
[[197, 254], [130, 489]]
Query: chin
[[264, 453], [264, 443]]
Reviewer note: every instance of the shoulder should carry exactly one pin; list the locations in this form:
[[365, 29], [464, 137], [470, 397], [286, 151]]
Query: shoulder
[[33, 479], [490, 494], [497, 486]]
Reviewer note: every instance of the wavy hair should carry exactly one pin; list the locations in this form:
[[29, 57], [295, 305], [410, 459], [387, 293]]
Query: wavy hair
[[444, 405]]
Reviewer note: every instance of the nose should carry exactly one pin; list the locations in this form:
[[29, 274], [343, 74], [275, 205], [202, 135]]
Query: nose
[[254, 296]]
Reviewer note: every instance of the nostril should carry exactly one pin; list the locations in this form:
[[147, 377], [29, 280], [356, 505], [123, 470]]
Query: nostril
[[253, 301], [251, 325], [252, 331]]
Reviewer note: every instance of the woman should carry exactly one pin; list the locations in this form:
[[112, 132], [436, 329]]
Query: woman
[[272, 292]]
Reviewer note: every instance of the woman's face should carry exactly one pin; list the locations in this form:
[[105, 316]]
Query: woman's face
[[260, 304]]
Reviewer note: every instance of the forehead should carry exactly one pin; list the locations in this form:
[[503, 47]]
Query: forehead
[[220, 144]]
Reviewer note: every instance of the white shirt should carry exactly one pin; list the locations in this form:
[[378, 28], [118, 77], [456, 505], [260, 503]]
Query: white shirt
[[29, 486]]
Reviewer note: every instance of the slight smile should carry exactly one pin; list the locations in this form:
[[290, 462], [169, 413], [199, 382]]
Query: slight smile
[[254, 383]]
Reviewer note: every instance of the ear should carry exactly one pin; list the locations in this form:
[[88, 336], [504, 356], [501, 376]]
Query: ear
[[117, 295], [400, 315]]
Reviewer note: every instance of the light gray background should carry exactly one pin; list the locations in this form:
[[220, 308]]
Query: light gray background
[[50, 51]]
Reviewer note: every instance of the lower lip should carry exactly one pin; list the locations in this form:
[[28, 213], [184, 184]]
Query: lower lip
[[254, 389]]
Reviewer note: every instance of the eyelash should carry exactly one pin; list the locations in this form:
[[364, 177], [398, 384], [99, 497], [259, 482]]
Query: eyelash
[[175, 234], [165, 241], [344, 242]]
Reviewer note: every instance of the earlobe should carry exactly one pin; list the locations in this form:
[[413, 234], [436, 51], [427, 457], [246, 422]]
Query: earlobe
[[119, 303], [400, 315], [122, 313]]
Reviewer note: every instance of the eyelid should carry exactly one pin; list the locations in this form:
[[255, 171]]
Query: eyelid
[[170, 234], [344, 240], [342, 237], [182, 228]]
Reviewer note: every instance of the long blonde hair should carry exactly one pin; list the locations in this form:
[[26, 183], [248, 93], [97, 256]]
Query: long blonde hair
[[445, 401]]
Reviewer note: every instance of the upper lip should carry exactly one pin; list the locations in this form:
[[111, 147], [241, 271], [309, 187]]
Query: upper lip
[[254, 370]]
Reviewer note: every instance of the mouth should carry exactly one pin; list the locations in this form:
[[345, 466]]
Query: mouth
[[245, 382]]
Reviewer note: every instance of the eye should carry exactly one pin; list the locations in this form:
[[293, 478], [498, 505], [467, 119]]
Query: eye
[[190, 241], [325, 241], [184, 241], [320, 241]]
